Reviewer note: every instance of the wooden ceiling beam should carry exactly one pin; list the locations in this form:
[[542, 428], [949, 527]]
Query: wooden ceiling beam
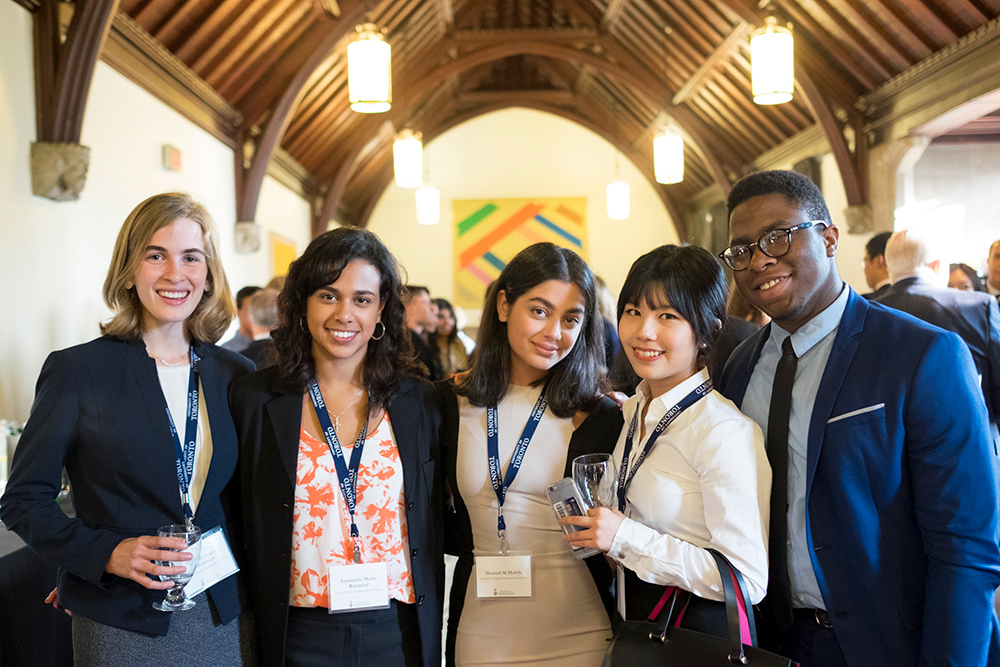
[[550, 97], [549, 35], [267, 48], [448, 15], [167, 33], [250, 178], [884, 40], [739, 32], [207, 29], [222, 42], [895, 26], [614, 9], [847, 34], [65, 69], [266, 58], [237, 51]]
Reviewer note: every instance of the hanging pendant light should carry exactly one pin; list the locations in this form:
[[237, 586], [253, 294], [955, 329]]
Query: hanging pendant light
[[369, 70], [772, 63], [408, 159], [618, 200], [668, 157], [428, 205]]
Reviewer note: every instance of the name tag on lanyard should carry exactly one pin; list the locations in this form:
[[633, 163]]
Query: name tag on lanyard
[[358, 587], [185, 455], [506, 574], [215, 563]]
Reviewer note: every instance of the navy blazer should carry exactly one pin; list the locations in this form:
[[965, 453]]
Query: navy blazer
[[972, 315], [99, 411], [268, 423], [902, 509]]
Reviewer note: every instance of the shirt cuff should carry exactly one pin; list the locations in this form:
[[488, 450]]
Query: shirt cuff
[[624, 538]]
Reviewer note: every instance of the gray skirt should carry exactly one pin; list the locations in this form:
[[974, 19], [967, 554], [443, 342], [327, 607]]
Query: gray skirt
[[195, 638]]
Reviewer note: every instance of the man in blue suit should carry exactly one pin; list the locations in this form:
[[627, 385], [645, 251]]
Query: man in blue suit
[[887, 524]]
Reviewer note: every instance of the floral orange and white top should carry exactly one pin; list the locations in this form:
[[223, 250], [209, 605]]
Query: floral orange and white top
[[321, 530]]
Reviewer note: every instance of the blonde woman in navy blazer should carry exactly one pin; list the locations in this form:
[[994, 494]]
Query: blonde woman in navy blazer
[[100, 411]]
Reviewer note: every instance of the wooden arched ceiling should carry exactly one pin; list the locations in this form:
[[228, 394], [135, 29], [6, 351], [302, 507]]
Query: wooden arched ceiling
[[623, 68]]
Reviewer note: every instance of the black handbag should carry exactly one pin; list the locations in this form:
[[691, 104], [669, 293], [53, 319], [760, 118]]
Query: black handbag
[[648, 643]]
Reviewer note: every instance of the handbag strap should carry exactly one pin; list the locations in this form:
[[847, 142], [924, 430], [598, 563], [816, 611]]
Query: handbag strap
[[663, 600], [737, 608]]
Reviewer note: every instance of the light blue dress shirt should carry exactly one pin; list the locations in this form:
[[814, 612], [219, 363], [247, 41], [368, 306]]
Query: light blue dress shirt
[[812, 344]]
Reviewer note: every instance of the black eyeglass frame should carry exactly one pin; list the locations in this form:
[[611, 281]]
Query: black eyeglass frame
[[757, 244]]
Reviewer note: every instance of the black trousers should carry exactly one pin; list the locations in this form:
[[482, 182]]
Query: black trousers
[[374, 638]]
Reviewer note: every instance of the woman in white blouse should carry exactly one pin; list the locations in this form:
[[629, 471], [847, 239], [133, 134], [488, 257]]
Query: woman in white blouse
[[704, 481]]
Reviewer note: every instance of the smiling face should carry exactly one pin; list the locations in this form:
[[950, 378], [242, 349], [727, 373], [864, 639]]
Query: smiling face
[[543, 325], [993, 266], [793, 288], [659, 343], [171, 277], [341, 316], [446, 322]]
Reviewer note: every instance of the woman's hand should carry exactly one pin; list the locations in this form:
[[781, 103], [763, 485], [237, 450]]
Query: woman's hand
[[133, 559], [53, 599], [600, 527]]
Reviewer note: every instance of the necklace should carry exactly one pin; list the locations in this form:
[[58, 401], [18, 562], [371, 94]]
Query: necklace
[[181, 361], [336, 419]]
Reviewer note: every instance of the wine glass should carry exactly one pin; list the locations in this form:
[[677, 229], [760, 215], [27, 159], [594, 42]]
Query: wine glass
[[175, 600], [596, 475]]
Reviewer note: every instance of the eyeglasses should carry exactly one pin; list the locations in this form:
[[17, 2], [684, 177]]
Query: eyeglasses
[[774, 243]]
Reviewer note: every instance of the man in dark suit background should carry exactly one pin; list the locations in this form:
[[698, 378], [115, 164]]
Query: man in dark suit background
[[876, 273], [262, 311], [993, 270], [913, 265], [421, 319], [884, 511]]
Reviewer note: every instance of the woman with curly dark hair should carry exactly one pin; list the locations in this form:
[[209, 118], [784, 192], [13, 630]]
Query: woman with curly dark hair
[[338, 445]]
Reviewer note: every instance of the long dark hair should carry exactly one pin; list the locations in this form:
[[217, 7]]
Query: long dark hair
[[389, 358], [444, 304], [576, 382], [692, 282]]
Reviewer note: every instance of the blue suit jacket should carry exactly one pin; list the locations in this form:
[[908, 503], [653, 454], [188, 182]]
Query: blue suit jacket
[[902, 514], [99, 411]]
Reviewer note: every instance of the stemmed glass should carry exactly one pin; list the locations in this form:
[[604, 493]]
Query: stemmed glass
[[175, 600], [596, 475]]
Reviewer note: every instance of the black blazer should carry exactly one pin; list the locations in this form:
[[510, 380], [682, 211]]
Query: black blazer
[[972, 315], [99, 411], [597, 434], [268, 421]]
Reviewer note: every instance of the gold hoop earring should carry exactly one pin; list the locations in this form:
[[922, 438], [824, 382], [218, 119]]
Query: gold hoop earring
[[302, 325], [381, 335]]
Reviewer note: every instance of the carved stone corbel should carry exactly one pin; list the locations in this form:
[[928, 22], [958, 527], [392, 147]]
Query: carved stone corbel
[[58, 170], [247, 237]]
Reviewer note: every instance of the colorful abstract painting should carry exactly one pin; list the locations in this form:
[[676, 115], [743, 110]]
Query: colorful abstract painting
[[489, 232]]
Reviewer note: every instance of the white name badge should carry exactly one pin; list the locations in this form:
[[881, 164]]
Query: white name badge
[[503, 576], [215, 563], [358, 587]]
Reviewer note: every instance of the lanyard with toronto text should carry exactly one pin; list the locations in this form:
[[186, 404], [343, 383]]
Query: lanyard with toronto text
[[185, 454], [493, 454], [348, 474], [624, 476]]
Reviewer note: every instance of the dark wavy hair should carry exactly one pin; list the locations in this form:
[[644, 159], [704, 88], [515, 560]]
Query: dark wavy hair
[[691, 281], [389, 358], [795, 187], [576, 382], [970, 273]]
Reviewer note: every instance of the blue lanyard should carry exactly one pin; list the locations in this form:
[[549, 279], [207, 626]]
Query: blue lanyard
[[493, 454], [348, 475], [665, 421], [185, 455]]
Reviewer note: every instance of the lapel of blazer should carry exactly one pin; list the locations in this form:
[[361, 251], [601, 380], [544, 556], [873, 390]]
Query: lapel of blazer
[[845, 345], [158, 445], [224, 450], [739, 378], [405, 417], [285, 413]]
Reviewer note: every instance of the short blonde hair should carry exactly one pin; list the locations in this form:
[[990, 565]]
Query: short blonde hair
[[216, 309]]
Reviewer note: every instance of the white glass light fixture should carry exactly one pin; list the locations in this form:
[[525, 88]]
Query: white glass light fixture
[[772, 63], [408, 159], [668, 157], [428, 205], [369, 70]]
